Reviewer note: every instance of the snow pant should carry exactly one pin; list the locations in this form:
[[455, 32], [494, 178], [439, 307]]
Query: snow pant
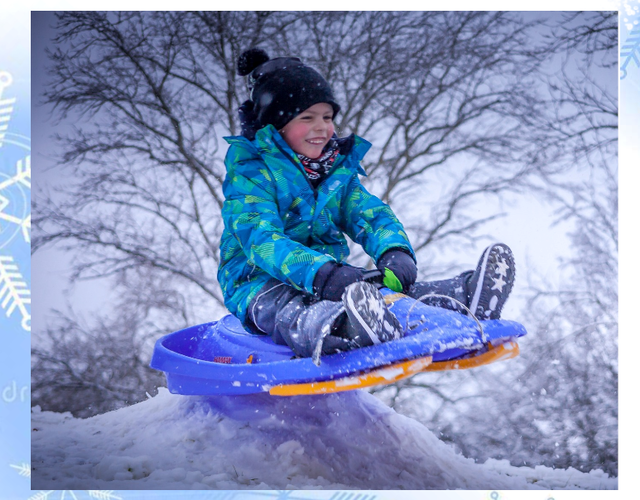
[[298, 319], [435, 293]]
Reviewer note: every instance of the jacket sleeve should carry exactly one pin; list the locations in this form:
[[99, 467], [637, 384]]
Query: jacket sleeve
[[371, 222], [250, 213]]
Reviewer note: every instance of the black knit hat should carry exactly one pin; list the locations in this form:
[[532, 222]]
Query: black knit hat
[[281, 89]]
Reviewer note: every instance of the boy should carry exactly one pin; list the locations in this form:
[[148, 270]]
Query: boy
[[292, 192]]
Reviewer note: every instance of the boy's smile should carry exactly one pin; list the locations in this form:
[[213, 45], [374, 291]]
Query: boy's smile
[[310, 131]]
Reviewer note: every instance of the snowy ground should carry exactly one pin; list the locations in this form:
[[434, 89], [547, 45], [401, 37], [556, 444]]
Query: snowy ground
[[342, 441]]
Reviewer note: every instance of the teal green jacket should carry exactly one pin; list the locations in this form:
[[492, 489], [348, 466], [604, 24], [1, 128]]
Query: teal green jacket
[[278, 225]]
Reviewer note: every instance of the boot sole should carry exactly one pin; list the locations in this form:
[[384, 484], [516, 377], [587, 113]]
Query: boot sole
[[483, 270], [493, 308], [354, 310]]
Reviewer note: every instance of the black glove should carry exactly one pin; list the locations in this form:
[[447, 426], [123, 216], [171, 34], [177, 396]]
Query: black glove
[[332, 278], [401, 264]]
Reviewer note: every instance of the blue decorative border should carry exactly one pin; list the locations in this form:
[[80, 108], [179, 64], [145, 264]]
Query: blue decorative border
[[15, 256]]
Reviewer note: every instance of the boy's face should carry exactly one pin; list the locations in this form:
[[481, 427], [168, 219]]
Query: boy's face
[[310, 131]]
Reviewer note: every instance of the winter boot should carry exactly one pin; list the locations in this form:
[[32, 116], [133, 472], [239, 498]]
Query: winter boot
[[490, 284], [306, 328], [298, 320], [368, 321]]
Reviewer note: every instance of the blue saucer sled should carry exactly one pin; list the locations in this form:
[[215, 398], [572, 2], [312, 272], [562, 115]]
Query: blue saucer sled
[[222, 358]]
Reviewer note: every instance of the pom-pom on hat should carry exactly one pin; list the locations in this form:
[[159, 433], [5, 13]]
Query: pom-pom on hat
[[250, 60], [281, 88]]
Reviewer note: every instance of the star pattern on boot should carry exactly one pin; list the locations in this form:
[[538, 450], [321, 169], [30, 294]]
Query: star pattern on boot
[[498, 284], [502, 267]]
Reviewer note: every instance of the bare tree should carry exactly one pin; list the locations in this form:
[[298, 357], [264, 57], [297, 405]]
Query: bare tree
[[153, 93], [159, 90], [577, 325], [450, 102], [442, 97], [558, 403], [91, 369]]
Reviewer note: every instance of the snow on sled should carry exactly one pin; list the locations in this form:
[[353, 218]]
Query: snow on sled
[[222, 358]]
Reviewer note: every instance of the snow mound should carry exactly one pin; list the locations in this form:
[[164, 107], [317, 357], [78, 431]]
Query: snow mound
[[348, 440]]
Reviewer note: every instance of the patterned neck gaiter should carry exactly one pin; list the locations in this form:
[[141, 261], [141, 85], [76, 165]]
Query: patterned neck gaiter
[[318, 168]]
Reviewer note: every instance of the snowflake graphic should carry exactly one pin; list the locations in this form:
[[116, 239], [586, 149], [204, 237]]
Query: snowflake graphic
[[291, 495], [343, 495], [70, 495], [630, 47], [6, 105], [14, 292], [630, 52], [14, 200], [15, 185], [23, 469], [15, 209]]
